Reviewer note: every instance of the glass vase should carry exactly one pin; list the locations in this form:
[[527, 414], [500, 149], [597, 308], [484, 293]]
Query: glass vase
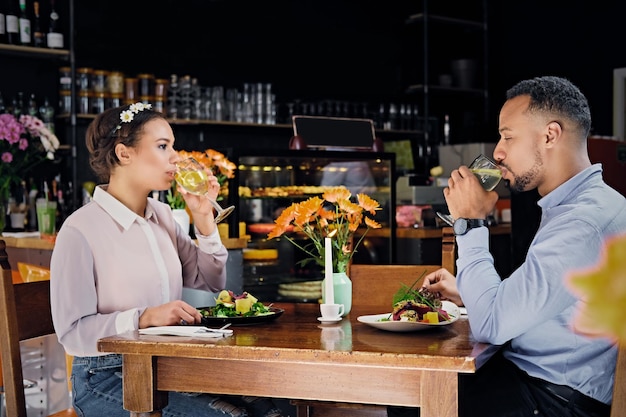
[[343, 291]]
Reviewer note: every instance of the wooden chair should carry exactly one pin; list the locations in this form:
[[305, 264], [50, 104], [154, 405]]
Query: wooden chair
[[24, 314], [375, 286]]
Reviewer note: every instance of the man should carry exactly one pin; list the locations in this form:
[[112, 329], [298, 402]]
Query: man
[[544, 367]]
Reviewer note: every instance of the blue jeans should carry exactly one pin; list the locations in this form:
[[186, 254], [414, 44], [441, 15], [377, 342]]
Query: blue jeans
[[97, 391]]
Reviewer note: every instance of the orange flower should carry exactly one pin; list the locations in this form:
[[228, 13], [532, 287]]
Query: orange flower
[[317, 217]]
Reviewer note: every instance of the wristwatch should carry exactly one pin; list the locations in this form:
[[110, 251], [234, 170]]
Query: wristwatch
[[461, 226]]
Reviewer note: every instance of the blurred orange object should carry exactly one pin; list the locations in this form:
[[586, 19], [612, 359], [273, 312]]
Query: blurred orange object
[[31, 273], [17, 278]]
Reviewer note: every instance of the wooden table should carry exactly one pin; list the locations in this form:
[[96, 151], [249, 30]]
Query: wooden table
[[296, 357]]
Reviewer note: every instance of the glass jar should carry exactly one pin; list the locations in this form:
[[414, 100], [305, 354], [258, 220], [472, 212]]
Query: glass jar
[[99, 102], [65, 101], [131, 91], [160, 89], [115, 100], [115, 82], [65, 79], [84, 79], [100, 81], [84, 102], [146, 84]]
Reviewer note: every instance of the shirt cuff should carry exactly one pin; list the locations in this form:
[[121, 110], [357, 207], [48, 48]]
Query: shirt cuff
[[209, 244], [474, 239], [127, 320]]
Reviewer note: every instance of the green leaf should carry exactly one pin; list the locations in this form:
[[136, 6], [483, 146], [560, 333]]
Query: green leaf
[[175, 200]]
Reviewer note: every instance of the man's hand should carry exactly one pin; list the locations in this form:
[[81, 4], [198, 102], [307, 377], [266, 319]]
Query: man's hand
[[442, 282]]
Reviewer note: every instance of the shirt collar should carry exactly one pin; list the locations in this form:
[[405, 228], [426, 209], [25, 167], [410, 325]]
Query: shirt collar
[[118, 211], [565, 190]]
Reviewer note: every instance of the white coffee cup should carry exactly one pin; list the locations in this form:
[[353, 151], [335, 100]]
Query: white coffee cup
[[331, 311]]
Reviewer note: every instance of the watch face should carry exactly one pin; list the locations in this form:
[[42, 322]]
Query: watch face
[[460, 226]]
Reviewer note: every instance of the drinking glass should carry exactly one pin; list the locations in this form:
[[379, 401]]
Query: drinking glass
[[191, 175], [487, 172]]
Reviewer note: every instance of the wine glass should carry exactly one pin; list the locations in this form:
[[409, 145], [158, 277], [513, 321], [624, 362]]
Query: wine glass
[[191, 175], [487, 172]]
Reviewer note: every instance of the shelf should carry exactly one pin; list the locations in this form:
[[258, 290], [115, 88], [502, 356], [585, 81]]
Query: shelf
[[229, 124], [420, 17], [425, 88], [32, 52], [450, 33]]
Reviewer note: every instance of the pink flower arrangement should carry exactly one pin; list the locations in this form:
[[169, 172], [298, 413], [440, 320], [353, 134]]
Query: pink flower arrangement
[[24, 143]]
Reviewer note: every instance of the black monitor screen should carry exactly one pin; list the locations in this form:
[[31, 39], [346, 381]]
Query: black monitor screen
[[334, 132]]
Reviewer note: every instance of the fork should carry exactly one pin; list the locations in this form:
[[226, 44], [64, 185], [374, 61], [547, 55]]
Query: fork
[[222, 329]]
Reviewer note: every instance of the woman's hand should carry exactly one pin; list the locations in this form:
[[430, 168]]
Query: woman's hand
[[442, 282], [200, 206], [173, 313]]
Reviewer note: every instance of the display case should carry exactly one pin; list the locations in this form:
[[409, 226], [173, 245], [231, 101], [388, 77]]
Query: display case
[[268, 182]]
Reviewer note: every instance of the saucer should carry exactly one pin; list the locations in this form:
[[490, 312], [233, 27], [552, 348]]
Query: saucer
[[330, 319]]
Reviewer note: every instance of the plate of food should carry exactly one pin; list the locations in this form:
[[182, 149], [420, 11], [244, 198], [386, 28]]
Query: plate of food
[[429, 318], [238, 310], [413, 310]]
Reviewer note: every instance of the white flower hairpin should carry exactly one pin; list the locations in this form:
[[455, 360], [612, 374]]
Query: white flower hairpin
[[127, 116]]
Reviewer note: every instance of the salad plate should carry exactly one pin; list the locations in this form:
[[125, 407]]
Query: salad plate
[[385, 322], [273, 314]]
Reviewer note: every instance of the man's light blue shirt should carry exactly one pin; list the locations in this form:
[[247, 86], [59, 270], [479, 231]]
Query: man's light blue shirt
[[533, 308]]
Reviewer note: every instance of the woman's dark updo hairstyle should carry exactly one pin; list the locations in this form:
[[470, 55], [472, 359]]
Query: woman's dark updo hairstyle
[[102, 137]]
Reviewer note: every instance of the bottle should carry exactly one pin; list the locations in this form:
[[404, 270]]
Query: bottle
[[18, 105], [46, 112], [24, 24], [12, 26], [39, 39], [31, 108], [55, 37], [3, 31]]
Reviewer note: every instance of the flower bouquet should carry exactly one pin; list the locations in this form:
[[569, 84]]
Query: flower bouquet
[[25, 142], [318, 217]]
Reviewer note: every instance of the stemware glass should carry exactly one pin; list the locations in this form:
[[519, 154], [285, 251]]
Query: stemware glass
[[487, 172], [191, 175]]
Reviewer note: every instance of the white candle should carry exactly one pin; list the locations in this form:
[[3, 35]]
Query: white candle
[[329, 291]]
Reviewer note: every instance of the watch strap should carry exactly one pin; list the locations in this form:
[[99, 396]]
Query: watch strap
[[464, 225], [473, 223]]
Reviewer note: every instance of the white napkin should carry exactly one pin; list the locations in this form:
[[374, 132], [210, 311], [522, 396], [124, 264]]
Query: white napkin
[[188, 331], [20, 234]]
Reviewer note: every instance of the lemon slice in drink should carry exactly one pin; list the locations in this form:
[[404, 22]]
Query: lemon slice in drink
[[487, 171], [193, 181]]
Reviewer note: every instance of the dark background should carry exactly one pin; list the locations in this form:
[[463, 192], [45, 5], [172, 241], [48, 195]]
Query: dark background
[[349, 50], [335, 49]]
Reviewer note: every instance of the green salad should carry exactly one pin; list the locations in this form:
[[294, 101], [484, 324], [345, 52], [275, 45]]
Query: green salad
[[227, 304]]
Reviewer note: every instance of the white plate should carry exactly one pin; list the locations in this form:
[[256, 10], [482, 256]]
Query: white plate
[[374, 320]]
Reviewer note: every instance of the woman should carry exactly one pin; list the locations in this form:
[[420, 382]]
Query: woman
[[120, 262]]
